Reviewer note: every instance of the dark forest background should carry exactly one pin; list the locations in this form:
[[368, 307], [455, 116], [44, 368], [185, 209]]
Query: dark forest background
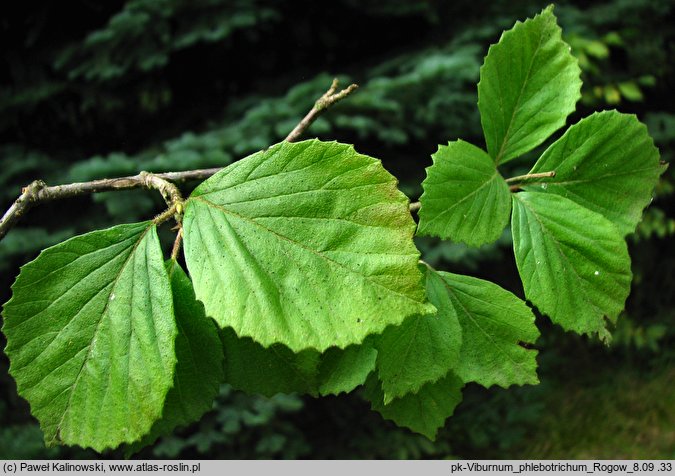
[[101, 89]]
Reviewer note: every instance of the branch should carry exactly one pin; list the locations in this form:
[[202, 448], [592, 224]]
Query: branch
[[21, 205], [38, 192], [329, 98]]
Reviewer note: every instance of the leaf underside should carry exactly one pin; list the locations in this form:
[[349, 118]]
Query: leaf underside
[[305, 244], [529, 84], [465, 198], [90, 333], [573, 262]]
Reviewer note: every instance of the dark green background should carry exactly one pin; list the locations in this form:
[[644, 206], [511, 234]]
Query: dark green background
[[101, 89]]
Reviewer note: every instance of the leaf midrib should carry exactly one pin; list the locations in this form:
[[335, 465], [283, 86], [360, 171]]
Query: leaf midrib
[[517, 104], [300, 245], [247, 181], [581, 152], [601, 177], [563, 255], [490, 179], [96, 331], [490, 338]]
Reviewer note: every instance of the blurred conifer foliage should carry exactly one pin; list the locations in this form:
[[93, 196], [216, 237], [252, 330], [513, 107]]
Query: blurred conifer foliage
[[101, 89]]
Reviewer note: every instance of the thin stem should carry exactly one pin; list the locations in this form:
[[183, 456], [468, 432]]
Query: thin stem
[[329, 98], [176, 244], [165, 215], [415, 206], [169, 191], [518, 186], [520, 178], [421, 261], [27, 200], [39, 192], [186, 176]]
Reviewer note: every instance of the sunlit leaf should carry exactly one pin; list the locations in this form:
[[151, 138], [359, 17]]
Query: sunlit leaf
[[573, 262], [528, 86], [607, 163], [306, 244], [465, 198]]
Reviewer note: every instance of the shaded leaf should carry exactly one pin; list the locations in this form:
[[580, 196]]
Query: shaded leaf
[[465, 198], [630, 90], [90, 336], [252, 368], [199, 362], [607, 163], [423, 412], [306, 244], [342, 370], [494, 325], [529, 84], [573, 262], [422, 349]]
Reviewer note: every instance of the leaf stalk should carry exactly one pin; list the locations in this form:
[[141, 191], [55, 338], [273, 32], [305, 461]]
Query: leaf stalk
[[521, 178]]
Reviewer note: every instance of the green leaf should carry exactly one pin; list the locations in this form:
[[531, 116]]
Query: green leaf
[[423, 412], [597, 49], [465, 199], [422, 349], [612, 94], [252, 368], [606, 162], [199, 362], [573, 262], [306, 244], [494, 325], [90, 336], [276, 369], [529, 84], [342, 370], [631, 91]]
